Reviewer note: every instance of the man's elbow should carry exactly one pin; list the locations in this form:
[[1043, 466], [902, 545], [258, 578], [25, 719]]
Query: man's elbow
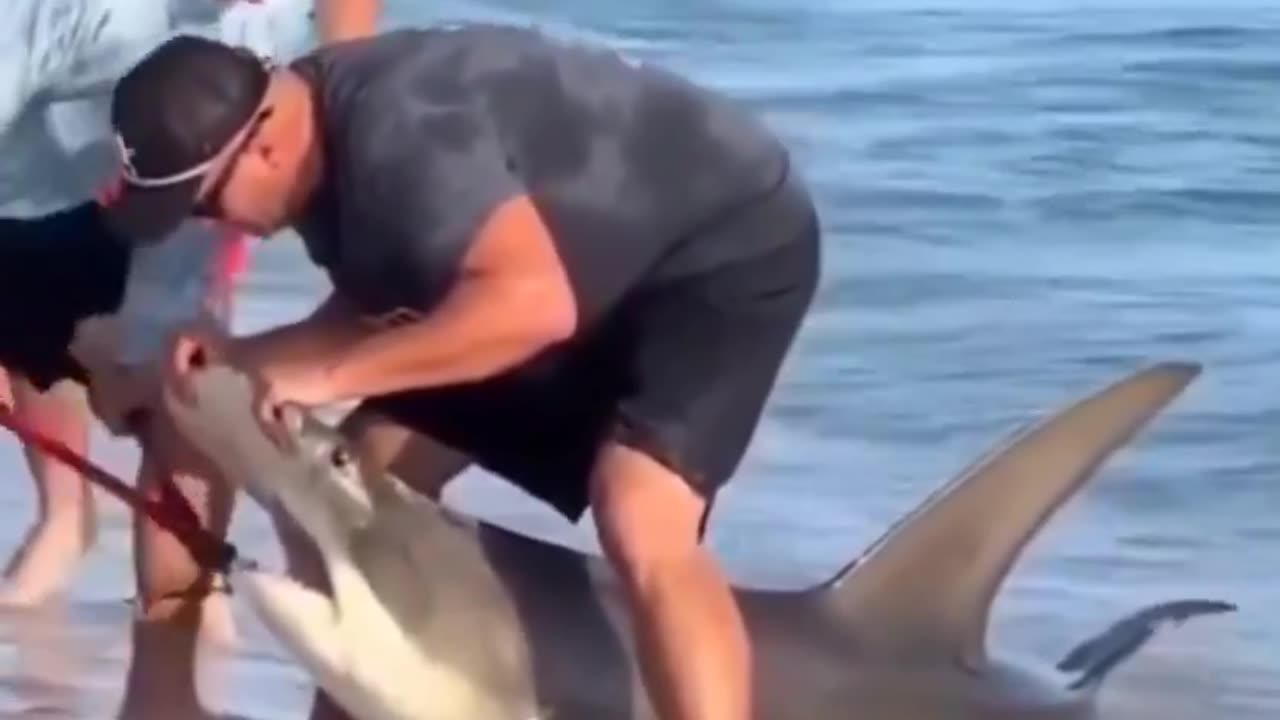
[[546, 312], [515, 259], [343, 20]]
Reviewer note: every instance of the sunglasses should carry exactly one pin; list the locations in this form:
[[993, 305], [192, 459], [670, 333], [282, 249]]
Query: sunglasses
[[210, 205]]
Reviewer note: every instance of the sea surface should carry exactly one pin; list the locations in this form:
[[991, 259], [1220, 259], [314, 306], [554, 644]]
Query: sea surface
[[1022, 201]]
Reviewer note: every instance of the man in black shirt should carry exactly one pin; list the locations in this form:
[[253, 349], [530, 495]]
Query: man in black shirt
[[581, 273]]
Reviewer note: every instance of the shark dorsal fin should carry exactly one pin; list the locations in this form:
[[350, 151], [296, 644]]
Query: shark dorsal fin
[[925, 589]]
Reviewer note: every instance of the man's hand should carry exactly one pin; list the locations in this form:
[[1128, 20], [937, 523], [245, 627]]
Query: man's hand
[[289, 377], [287, 365]]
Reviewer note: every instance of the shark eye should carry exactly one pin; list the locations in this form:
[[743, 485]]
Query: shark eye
[[340, 458]]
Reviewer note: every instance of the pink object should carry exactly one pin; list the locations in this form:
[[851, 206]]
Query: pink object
[[235, 254]]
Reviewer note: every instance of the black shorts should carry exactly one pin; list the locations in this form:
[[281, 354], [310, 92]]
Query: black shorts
[[679, 371]]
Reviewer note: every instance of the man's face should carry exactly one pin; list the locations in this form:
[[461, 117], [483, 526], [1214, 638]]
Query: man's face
[[255, 183]]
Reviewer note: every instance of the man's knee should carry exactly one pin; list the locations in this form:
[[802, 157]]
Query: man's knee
[[61, 408], [647, 516], [66, 392], [420, 461]]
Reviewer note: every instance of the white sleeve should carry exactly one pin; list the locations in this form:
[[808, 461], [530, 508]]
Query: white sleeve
[[79, 48], [16, 86], [277, 29], [83, 47]]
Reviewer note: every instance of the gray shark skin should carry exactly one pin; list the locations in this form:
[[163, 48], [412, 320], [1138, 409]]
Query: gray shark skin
[[505, 626]]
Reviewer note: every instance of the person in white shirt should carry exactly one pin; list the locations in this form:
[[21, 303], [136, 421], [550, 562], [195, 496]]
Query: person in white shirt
[[59, 60]]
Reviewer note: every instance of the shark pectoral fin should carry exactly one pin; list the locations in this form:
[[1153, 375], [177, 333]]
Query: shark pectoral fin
[[1093, 659], [925, 589], [303, 619]]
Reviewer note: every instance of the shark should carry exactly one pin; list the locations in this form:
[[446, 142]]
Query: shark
[[433, 614]]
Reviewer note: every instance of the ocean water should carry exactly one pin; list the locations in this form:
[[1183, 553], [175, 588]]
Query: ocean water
[[1022, 201]]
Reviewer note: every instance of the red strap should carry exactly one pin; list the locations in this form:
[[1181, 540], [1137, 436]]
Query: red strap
[[110, 191], [235, 254], [234, 260], [170, 511]]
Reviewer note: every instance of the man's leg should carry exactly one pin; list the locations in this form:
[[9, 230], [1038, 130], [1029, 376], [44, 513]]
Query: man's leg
[[423, 463], [45, 563], [692, 645], [418, 460], [701, 356]]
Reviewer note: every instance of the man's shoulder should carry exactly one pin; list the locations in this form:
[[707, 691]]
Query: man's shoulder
[[74, 47], [360, 78], [387, 60], [375, 93]]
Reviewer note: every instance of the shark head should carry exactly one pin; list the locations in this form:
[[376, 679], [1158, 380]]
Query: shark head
[[309, 472], [312, 476]]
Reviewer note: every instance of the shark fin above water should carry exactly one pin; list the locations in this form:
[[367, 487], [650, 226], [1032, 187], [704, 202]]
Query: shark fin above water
[[925, 589]]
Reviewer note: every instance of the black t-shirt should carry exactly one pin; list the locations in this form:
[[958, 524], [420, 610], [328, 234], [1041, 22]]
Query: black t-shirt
[[427, 131], [55, 271]]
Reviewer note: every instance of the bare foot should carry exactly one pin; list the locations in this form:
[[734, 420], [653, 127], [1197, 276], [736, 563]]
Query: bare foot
[[46, 562]]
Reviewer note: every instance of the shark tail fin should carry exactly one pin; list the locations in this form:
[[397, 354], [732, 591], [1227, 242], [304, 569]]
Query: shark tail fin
[[1092, 660], [925, 589]]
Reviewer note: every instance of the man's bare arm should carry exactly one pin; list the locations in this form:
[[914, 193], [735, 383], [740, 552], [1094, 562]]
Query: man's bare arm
[[513, 299], [341, 20], [330, 327]]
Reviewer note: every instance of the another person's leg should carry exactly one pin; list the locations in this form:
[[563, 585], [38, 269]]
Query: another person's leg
[[47, 559], [64, 530], [702, 356], [180, 607], [168, 577], [169, 580], [161, 682]]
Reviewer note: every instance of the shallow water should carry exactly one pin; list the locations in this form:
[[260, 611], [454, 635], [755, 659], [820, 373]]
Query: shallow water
[[1022, 201]]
